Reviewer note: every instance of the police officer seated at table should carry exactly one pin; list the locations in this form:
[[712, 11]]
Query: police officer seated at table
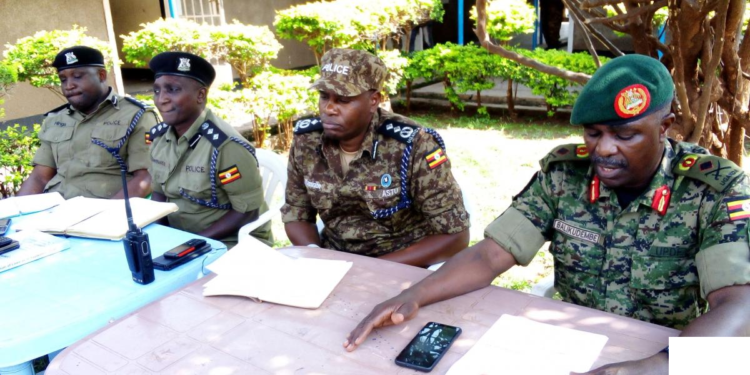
[[640, 225], [79, 139], [381, 184], [200, 162]]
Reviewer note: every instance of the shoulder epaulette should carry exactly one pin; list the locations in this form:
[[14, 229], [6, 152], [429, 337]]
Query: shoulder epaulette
[[58, 109], [212, 132], [716, 172], [158, 130], [570, 152], [307, 125], [137, 102], [399, 131]]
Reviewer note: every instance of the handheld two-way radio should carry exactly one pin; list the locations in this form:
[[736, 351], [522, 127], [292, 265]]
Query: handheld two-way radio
[[137, 247]]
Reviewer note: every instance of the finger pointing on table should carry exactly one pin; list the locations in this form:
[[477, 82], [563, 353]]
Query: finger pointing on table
[[393, 311]]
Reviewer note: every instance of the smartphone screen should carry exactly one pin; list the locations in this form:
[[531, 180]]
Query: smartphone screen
[[428, 346], [4, 225]]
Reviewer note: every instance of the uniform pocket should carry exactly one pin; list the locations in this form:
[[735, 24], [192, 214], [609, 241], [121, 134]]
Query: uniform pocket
[[662, 273], [111, 135], [57, 134], [577, 246]]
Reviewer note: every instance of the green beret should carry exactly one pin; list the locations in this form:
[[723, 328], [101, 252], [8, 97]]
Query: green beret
[[623, 90]]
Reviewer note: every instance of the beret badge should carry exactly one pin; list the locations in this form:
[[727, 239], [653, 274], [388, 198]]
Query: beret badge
[[632, 101], [184, 64], [70, 58]]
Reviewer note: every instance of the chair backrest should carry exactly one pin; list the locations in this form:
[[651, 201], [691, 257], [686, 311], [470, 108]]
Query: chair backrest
[[273, 172]]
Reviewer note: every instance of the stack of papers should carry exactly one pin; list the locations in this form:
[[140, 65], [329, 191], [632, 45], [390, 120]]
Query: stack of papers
[[34, 245], [519, 346], [27, 204], [97, 218], [254, 270]]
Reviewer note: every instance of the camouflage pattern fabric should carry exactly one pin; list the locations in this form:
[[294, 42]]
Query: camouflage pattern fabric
[[181, 171], [316, 185], [349, 72], [636, 261], [83, 168]]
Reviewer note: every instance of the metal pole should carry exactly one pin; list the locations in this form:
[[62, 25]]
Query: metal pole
[[461, 22]]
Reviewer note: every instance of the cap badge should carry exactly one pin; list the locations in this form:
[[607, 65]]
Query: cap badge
[[632, 101], [70, 58], [184, 64]]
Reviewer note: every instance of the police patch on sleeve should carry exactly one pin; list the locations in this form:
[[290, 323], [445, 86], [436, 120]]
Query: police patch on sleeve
[[738, 207], [435, 158], [230, 174]]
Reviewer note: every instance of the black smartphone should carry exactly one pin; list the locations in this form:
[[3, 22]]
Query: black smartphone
[[165, 264], [186, 248], [9, 247], [4, 225], [428, 346]]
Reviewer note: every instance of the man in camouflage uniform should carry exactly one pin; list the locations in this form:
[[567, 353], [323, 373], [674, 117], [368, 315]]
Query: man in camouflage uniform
[[381, 184], [86, 142], [640, 225], [200, 162]]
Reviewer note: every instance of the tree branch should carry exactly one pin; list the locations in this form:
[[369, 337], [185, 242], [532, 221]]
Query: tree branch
[[587, 4], [630, 14], [708, 84], [601, 38], [484, 39], [586, 36], [679, 74]]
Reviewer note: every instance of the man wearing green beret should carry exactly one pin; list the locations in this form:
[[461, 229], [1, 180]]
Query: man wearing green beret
[[639, 225]]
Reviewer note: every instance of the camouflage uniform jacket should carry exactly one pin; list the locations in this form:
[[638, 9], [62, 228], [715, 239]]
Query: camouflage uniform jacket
[[207, 171], [365, 211], [656, 259], [83, 167]]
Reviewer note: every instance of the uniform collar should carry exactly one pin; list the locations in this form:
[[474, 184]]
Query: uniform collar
[[194, 127], [663, 178]]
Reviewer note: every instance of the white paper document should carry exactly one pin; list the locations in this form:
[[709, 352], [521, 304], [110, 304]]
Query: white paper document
[[520, 346], [27, 204], [34, 245], [254, 270]]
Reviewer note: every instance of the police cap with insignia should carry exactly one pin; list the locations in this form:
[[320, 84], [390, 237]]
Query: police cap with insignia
[[78, 56], [349, 72], [623, 90], [183, 64]]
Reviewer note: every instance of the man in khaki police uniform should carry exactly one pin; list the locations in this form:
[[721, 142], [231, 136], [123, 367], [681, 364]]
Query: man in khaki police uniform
[[86, 142], [199, 161], [381, 184], [639, 225]]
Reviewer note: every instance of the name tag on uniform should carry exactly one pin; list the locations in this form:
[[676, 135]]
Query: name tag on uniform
[[383, 193], [579, 233]]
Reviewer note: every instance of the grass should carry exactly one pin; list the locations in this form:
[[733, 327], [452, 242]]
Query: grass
[[492, 159]]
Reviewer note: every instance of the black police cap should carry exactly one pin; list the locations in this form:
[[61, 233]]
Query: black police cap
[[183, 64], [78, 56]]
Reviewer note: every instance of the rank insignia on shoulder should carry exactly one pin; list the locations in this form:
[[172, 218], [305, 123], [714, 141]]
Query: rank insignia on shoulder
[[230, 174], [582, 151], [399, 131], [148, 138], [436, 157], [738, 207], [688, 161]]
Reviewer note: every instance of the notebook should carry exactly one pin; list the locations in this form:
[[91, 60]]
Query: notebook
[[254, 270]]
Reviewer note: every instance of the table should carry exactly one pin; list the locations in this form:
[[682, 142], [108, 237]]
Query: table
[[188, 333], [55, 301]]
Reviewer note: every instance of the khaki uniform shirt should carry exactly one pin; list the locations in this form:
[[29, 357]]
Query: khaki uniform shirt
[[656, 259], [181, 170], [316, 185], [84, 168]]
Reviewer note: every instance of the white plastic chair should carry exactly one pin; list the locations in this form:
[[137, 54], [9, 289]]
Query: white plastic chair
[[545, 287], [273, 171], [472, 220]]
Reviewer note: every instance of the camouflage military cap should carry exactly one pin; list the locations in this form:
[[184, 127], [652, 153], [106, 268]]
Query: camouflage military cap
[[349, 72], [623, 90]]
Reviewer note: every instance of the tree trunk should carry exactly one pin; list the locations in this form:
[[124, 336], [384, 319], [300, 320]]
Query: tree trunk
[[509, 99]]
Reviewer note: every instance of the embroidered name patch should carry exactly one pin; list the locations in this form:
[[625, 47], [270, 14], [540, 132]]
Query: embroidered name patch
[[312, 184], [230, 174], [738, 207], [435, 158], [575, 232]]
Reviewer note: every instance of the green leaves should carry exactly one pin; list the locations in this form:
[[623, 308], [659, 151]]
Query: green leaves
[[31, 57], [17, 147]]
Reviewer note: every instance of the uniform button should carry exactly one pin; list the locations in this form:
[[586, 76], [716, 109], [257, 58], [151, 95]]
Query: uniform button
[[463, 216]]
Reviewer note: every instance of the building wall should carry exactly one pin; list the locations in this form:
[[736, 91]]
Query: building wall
[[128, 15], [262, 12], [23, 18]]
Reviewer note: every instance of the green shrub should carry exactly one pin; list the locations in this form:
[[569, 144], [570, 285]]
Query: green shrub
[[507, 18], [396, 63], [32, 56], [17, 147], [248, 49]]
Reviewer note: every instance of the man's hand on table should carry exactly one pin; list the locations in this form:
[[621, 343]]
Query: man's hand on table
[[393, 311], [657, 364]]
